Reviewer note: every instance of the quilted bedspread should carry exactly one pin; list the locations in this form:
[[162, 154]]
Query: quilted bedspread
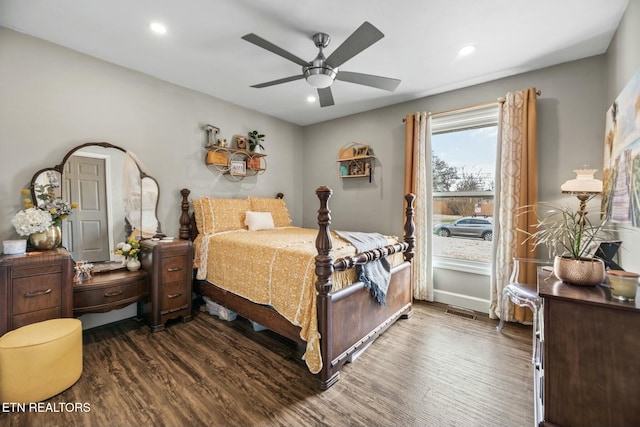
[[273, 267]]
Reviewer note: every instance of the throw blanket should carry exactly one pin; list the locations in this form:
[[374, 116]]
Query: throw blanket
[[375, 274]]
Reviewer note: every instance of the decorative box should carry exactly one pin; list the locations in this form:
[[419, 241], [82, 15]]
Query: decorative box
[[253, 163], [216, 158], [14, 247]]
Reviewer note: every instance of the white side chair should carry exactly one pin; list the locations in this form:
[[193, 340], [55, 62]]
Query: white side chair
[[523, 295], [526, 295]]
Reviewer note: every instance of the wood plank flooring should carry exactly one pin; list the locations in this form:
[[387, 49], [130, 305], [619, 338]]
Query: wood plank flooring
[[434, 369]]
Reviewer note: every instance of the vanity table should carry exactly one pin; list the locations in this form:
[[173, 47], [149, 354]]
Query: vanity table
[[35, 286], [110, 291], [591, 356], [117, 198]]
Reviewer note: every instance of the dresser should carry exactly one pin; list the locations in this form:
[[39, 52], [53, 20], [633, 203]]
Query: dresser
[[35, 286], [170, 267], [591, 356]]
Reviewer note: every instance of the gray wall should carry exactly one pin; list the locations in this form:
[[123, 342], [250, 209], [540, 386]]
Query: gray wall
[[623, 61], [54, 99]]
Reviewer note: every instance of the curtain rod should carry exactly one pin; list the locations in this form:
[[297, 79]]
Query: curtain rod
[[470, 107]]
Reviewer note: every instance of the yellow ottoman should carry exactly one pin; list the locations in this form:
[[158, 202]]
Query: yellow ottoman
[[40, 360]]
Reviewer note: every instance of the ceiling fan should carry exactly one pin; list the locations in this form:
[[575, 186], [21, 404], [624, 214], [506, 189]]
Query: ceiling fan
[[321, 72]]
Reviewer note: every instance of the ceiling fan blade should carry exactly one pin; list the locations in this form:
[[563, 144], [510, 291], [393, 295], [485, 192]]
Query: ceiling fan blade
[[359, 40], [259, 41], [379, 82], [325, 96], [279, 81]]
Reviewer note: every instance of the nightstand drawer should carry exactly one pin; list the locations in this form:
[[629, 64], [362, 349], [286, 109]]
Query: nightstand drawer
[[173, 295], [174, 269], [36, 293]]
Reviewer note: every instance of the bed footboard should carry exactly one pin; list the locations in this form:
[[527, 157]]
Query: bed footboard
[[345, 307]]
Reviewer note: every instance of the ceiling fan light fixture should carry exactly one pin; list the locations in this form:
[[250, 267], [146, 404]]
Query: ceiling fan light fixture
[[320, 77]]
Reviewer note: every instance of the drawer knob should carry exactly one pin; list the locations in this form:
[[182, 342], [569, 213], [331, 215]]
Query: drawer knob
[[112, 294], [171, 270], [174, 295], [37, 293]]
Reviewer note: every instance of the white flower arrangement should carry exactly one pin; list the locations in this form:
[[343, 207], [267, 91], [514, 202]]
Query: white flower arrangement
[[31, 220], [129, 249]]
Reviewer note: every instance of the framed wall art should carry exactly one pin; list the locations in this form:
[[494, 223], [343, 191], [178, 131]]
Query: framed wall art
[[621, 169], [238, 168]]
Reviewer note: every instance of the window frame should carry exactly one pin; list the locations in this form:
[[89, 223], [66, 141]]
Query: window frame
[[479, 117]]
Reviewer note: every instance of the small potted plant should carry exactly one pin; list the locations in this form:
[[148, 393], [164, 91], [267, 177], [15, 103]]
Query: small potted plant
[[571, 237], [255, 141]]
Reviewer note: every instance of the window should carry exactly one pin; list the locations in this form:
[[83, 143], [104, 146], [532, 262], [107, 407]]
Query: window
[[464, 152]]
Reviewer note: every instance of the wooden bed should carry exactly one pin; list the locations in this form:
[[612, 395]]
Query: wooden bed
[[353, 306]]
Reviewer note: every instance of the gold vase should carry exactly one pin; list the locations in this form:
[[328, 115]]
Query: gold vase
[[47, 239]]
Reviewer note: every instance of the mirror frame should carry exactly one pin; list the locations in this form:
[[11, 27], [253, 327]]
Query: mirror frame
[[60, 168]]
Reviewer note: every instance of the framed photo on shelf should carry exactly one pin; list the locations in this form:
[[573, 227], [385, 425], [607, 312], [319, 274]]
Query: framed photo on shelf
[[240, 142], [238, 167], [361, 151], [356, 168]]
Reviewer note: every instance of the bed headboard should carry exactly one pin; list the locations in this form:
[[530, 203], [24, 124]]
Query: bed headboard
[[188, 229]]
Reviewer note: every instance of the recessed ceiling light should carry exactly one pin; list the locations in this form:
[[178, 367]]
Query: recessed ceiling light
[[311, 98], [158, 27], [466, 50]]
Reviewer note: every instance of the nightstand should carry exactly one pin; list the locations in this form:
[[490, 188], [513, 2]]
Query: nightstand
[[35, 286], [169, 264]]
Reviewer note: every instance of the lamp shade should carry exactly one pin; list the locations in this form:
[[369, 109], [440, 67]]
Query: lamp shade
[[584, 183]]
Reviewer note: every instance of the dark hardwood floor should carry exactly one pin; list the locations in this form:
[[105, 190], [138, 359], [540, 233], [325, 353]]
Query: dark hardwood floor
[[434, 369]]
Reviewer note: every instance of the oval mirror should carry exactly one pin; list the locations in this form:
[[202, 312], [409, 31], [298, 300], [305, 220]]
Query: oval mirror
[[97, 176]]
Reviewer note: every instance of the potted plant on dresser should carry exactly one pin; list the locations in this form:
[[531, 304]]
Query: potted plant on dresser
[[572, 238]]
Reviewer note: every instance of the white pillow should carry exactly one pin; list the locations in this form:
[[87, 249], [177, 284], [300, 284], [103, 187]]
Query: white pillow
[[259, 221]]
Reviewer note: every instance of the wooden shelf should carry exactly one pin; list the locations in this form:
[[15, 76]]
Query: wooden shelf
[[355, 160], [353, 176], [235, 163]]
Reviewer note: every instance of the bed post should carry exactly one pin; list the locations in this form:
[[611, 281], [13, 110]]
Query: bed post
[[409, 227], [185, 221], [324, 271]]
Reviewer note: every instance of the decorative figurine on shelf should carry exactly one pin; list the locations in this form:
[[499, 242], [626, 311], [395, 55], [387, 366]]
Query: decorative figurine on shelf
[[212, 132], [255, 141], [240, 142], [222, 142]]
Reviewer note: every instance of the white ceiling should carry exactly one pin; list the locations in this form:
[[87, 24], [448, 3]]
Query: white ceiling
[[203, 49]]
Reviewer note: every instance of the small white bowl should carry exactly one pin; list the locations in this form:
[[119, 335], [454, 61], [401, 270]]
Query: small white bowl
[[14, 247]]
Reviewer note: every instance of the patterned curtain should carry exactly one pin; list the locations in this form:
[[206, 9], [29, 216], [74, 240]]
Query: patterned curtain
[[418, 181], [517, 186]]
